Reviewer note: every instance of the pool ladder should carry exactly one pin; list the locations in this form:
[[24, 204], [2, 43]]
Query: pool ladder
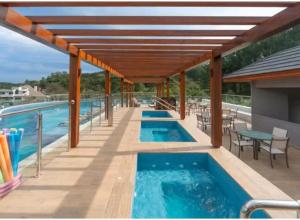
[[254, 205]]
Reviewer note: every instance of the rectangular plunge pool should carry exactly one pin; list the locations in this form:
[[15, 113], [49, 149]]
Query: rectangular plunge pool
[[186, 185], [164, 131], [156, 114]]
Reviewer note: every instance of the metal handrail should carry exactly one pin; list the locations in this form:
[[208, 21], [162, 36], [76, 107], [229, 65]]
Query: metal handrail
[[163, 105], [31, 110], [170, 107], [254, 205]]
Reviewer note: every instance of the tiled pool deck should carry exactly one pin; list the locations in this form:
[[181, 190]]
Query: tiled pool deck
[[96, 179]]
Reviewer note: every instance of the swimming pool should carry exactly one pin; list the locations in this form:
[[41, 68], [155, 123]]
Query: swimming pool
[[164, 131], [52, 129], [156, 114], [185, 185]]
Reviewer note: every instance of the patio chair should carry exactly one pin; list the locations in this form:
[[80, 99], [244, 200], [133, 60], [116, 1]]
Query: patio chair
[[241, 126], [202, 122], [226, 125], [237, 141], [234, 113], [278, 133], [278, 146], [226, 112]]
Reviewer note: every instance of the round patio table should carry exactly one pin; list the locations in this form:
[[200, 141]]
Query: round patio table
[[256, 136]]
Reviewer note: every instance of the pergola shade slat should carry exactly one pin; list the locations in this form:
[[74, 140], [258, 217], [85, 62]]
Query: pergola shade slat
[[149, 33], [145, 41], [151, 4], [149, 20]]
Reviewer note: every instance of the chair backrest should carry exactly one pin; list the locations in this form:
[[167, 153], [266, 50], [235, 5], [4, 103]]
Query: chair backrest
[[226, 111], [280, 133], [206, 114], [226, 121], [240, 126], [279, 143], [234, 136], [199, 117]]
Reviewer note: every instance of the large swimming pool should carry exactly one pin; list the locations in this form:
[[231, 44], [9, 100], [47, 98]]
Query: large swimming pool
[[185, 185], [55, 122], [164, 131]]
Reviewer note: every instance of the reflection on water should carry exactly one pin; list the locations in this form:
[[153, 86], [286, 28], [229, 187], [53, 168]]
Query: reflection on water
[[55, 124]]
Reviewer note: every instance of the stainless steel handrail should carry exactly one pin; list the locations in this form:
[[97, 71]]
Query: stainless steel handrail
[[31, 110], [161, 101], [163, 105], [254, 205]]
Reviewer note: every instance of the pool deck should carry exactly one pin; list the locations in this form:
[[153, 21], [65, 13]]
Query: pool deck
[[96, 179]]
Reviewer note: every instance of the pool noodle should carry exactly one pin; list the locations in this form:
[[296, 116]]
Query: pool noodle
[[12, 149], [3, 166], [5, 151], [15, 152]]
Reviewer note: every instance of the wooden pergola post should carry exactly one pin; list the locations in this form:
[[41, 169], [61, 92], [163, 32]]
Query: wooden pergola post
[[74, 99], [107, 92], [168, 87], [122, 91], [182, 95], [127, 94], [216, 100], [162, 89]]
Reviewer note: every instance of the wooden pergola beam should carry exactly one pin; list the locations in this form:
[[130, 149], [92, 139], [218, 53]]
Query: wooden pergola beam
[[279, 22], [149, 33], [94, 47], [145, 53], [76, 41], [149, 20], [150, 4]]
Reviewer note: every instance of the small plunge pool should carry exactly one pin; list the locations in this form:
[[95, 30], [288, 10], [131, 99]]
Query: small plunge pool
[[186, 185], [164, 131], [156, 114]]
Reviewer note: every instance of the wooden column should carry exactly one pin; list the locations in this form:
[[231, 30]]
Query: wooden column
[[127, 94], [216, 100], [182, 95], [122, 91], [107, 92], [74, 98], [168, 87], [162, 90]]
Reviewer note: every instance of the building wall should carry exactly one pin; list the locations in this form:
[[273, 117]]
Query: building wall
[[277, 103]]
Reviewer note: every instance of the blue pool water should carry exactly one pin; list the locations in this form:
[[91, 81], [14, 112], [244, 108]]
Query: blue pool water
[[51, 119], [156, 114], [185, 185], [164, 131]]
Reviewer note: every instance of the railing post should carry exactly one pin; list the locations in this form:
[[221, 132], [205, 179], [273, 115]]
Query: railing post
[[100, 106], [91, 115], [72, 102], [40, 143]]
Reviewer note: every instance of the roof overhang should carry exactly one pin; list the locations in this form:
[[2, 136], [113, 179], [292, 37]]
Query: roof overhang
[[263, 76]]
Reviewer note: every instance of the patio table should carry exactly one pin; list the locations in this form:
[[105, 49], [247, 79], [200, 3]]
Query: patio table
[[256, 136]]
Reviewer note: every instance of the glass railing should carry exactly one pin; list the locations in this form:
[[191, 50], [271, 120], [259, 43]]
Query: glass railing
[[54, 118]]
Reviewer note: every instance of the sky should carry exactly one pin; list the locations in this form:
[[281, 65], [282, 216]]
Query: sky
[[22, 58]]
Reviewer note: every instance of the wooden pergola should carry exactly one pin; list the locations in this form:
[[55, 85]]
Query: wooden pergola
[[154, 59]]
